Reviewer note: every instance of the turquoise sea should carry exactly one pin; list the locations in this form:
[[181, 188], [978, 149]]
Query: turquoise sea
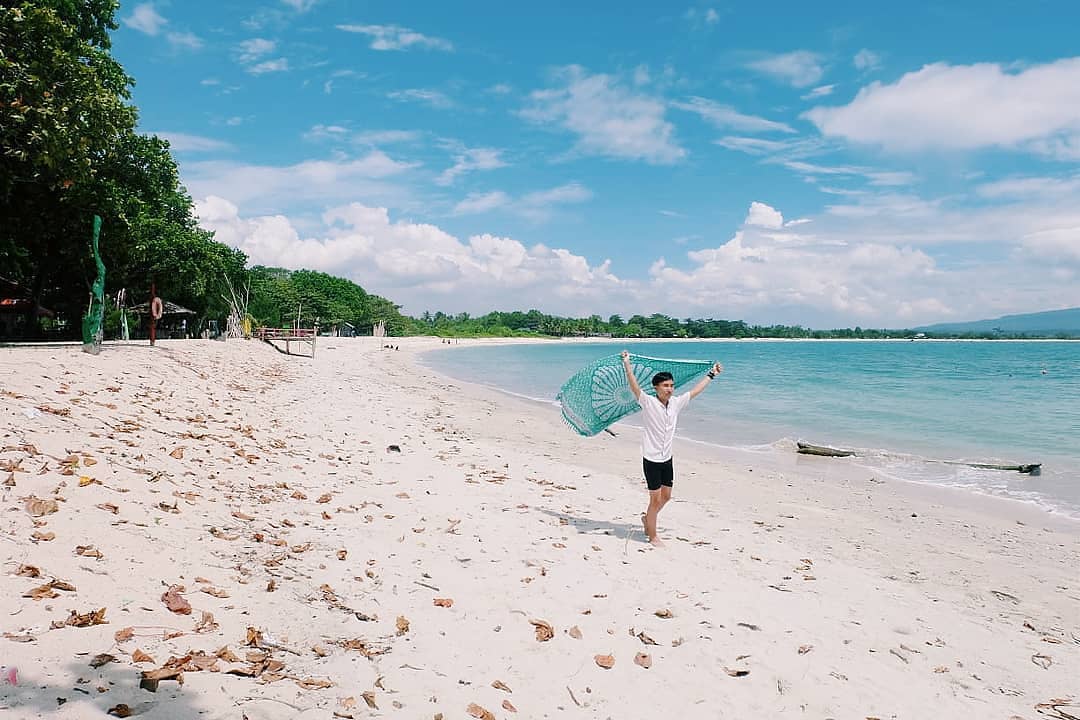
[[906, 406]]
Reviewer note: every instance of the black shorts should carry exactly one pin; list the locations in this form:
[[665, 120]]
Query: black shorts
[[658, 473]]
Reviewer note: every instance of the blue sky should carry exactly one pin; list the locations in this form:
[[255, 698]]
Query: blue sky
[[778, 163]]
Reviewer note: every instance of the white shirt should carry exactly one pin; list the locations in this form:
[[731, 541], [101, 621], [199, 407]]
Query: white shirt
[[659, 432]]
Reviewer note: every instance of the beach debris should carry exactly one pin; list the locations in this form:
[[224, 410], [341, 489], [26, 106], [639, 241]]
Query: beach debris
[[102, 659], [1005, 597], [88, 551], [76, 619], [108, 507], [664, 614], [369, 699], [177, 453], [402, 625], [748, 626], [39, 507], [737, 672], [42, 536], [1053, 708], [544, 631], [342, 554], [803, 649], [1043, 661], [476, 711], [29, 571], [393, 448], [124, 634], [645, 639], [206, 623], [894, 651], [121, 711], [443, 602], [574, 632], [176, 602], [508, 706], [500, 685], [643, 660], [605, 661], [48, 590], [140, 657]]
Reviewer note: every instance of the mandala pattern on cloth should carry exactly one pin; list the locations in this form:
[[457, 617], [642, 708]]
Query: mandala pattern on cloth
[[599, 394]]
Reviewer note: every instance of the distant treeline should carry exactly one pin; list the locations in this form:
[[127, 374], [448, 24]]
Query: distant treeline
[[535, 323]]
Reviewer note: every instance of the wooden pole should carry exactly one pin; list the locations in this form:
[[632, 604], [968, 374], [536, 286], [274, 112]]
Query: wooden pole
[[153, 321]]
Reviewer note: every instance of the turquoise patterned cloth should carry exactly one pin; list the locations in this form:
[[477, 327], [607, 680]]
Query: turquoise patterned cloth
[[599, 394]]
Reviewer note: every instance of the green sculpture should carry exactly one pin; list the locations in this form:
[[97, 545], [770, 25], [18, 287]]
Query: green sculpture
[[95, 314]]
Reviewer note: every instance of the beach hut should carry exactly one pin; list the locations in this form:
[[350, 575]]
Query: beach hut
[[16, 304], [174, 323]]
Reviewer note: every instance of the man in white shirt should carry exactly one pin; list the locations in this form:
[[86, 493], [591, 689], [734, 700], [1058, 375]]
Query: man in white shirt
[[660, 415]]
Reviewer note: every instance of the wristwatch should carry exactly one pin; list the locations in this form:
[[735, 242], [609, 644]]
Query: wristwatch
[[711, 375]]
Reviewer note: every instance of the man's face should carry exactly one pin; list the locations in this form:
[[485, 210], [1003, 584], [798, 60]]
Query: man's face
[[664, 390]]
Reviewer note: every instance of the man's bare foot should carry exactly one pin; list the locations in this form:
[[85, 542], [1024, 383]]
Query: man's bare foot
[[656, 541]]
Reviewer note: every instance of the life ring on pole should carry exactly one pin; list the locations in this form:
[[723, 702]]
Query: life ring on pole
[[156, 308]]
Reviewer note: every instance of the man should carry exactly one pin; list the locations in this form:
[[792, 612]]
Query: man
[[660, 415]]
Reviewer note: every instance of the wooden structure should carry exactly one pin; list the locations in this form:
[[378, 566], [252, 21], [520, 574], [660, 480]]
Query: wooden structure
[[300, 336]]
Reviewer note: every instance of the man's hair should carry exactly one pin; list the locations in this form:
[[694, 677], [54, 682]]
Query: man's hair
[[661, 377]]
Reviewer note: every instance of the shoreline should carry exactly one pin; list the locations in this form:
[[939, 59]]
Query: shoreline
[[779, 457], [394, 537]]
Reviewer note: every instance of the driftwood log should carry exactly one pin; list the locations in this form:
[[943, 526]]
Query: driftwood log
[[825, 451]]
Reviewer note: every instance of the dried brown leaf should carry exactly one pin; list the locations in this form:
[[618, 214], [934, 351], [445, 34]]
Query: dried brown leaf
[[500, 685], [325, 498], [369, 698], [544, 631], [402, 625], [120, 711], [314, 683], [216, 592], [87, 619], [140, 657], [224, 653], [124, 634], [444, 602], [88, 551], [645, 639], [508, 706], [38, 507], [178, 453], [476, 711], [803, 649], [643, 660], [29, 571], [605, 661], [665, 614], [342, 554], [206, 623], [108, 507], [102, 659], [738, 672], [574, 632], [42, 536], [175, 601], [41, 592]]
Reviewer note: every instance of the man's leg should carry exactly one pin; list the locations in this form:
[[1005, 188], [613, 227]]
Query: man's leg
[[656, 502]]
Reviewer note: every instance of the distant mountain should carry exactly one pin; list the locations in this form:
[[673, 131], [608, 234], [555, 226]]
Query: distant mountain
[[1051, 322]]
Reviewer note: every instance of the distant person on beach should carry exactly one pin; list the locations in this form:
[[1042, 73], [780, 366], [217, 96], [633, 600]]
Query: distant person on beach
[[660, 415]]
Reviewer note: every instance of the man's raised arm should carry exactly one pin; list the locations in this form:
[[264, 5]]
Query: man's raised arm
[[634, 387], [717, 368]]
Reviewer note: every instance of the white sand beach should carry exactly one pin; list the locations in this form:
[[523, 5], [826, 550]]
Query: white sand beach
[[354, 536]]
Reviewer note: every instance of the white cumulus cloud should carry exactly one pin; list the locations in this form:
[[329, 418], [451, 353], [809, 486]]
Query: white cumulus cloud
[[394, 37], [966, 107], [609, 118], [800, 68]]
